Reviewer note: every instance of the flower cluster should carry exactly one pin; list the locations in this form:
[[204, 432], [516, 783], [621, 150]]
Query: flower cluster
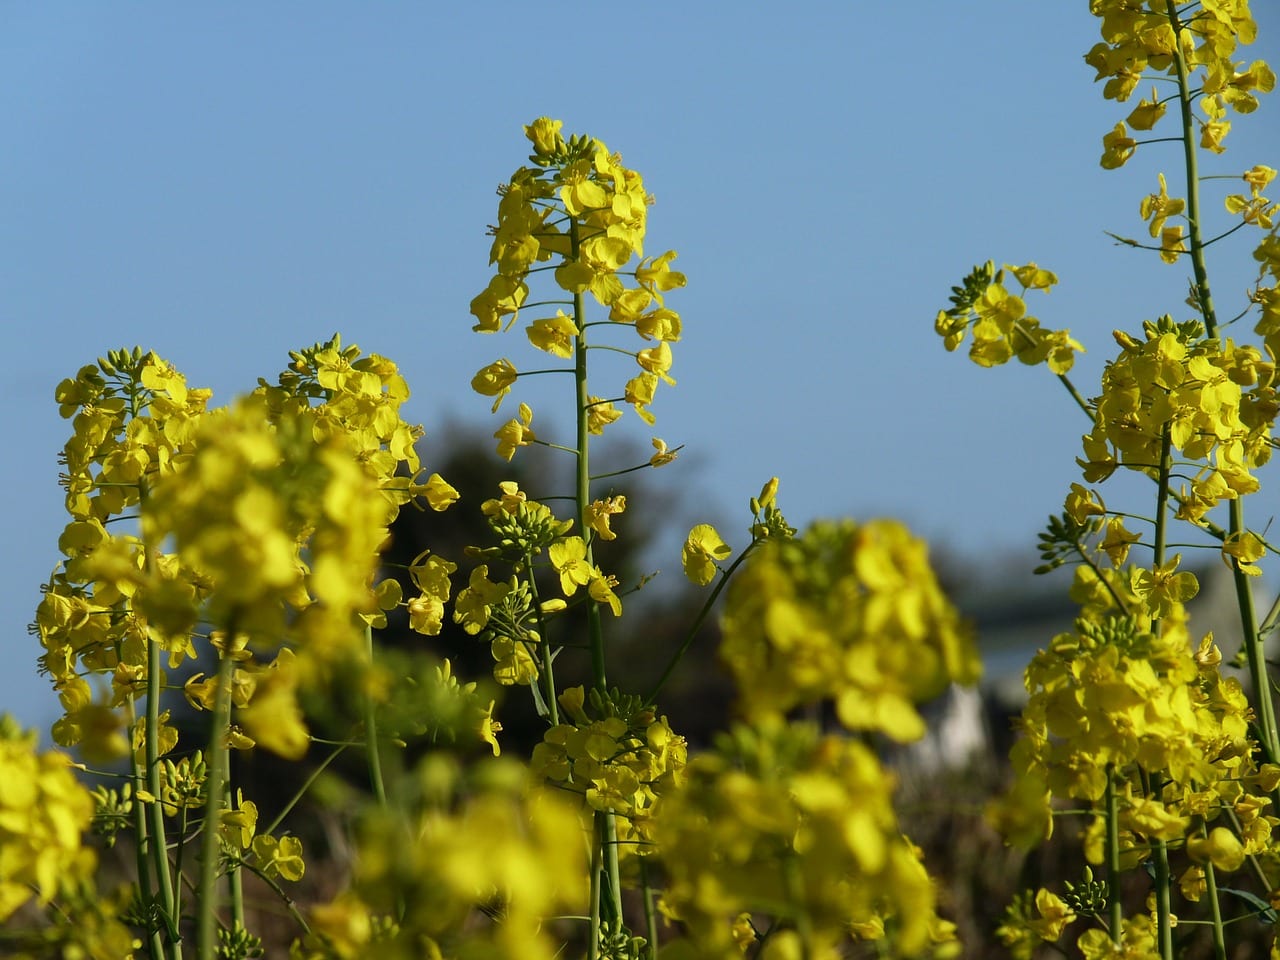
[[625, 761], [1002, 328], [845, 612], [275, 509], [796, 831], [1113, 695], [1214, 401], [44, 810], [478, 880], [1155, 40], [579, 206]]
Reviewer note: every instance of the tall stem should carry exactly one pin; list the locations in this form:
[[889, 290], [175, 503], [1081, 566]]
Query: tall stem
[[546, 667], [1115, 909], [142, 847], [371, 732], [606, 826], [1215, 911], [1163, 882], [215, 796], [156, 834], [155, 811]]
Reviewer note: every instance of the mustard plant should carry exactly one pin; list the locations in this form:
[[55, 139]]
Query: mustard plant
[[1130, 718]]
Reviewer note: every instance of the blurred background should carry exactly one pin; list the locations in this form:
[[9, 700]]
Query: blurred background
[[222, 185]]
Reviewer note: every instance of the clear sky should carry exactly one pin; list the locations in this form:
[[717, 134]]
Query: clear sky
[[225, 183]]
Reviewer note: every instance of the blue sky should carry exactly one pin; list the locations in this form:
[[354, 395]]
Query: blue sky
[[226, 183]]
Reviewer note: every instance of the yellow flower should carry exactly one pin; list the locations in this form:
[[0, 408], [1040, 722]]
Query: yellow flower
[[702, 549], [1257, 177], [568, 556], [663, 455], [495, 380], [515, 433], [1055, 916], [1213, 133], [1162, 587], [282, 857], [656, 274], [1158, 207], [1171, 245], [554, 335], [601, 591], [1147, 113], [1221, 847], [600, 413], [599, 512], [1118, 147], [44, 810], [273, 718], [545, 135], [657, 360], [1244, 549], [503, 296], [440, 493], [490, 728], [1083, 503], [1117, 541]]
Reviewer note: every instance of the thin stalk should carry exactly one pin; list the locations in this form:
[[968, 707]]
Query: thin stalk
[[1081, 402], [180, 848], [593, 942], [582, 479], [607, 830], [1189, 158], [650, 914], [271, 828], [547, 665], [142, 847], [697, 622], [1164, 913], [236, 882], [1164, 922], [1115, 908], [156, 833], [1215, 910], [371, 732], [215, 790]]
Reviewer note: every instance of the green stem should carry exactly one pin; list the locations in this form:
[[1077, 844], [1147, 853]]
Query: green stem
[[1115, 908], [180, 848], [593, 943], [1081, 402], [271, 828], [156, 834], [142, 848], [279, 892], [698, 621], [371, 732], [1164, 923], [606, 826], [547, 666], [236, 878], [215, 791], [1215, 910], [1193, 178], [1164, 913], [650, 914]]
